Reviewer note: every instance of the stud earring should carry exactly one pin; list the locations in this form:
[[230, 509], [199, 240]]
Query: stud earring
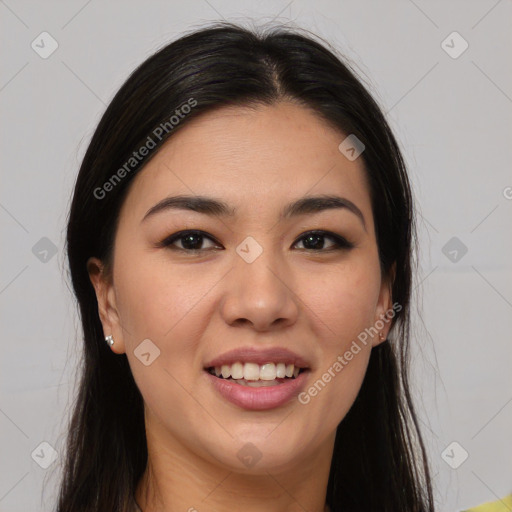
[[381, 336], [110, 340]]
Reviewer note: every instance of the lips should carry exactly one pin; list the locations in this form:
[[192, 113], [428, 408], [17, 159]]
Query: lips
[[258, 399]]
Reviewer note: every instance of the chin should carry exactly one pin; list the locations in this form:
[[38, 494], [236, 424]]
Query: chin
[[259, 454]]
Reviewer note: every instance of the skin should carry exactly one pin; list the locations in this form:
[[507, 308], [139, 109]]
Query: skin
[[195, 307]]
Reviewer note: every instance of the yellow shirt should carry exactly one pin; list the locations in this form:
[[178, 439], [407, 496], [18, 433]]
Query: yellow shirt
[[503, 505]]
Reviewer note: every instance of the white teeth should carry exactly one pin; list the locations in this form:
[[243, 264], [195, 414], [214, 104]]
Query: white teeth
[[237, 371], [268, 371], [226, 371], [255, 372], [251, 371]]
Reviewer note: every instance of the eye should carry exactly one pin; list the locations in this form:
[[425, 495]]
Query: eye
[[313, 240], [191, 241]]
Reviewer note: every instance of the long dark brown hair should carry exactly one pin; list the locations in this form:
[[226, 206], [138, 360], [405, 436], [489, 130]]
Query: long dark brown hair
[[379, 461]]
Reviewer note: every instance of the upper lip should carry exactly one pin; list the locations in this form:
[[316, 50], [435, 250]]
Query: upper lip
[[258, 356]]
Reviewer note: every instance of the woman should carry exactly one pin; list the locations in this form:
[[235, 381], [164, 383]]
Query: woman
[[240, 245]]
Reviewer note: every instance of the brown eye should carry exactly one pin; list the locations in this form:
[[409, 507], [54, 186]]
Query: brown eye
[[314, 241], [191, 241]]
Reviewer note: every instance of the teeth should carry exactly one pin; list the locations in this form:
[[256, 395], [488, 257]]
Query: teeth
[[237, 371], [268, 371], [226, 371], [251, 371], [255, 372]]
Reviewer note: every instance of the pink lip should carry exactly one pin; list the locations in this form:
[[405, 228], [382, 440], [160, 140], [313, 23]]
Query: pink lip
[[259, 399], [258, 356]]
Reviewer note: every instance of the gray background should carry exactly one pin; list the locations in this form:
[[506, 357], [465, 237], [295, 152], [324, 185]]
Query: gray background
[[453, 117]]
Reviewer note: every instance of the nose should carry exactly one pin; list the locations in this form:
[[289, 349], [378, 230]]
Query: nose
[[260, 294]]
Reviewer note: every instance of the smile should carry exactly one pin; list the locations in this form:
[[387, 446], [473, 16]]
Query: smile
[[255, 375], [257, 387]]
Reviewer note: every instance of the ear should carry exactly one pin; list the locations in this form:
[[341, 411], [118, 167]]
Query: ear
[[107, 309], [382, 320]]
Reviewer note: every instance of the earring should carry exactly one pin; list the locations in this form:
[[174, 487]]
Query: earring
[[110, 340], [381, 336]]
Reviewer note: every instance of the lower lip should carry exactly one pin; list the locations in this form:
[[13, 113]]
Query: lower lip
[[259, 399]]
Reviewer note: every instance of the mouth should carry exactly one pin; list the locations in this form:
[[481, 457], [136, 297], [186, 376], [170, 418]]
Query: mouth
[[255, 375], [257, 394], [257, 380]]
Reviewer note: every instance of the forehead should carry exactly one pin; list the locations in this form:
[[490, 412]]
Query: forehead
[[253, 158]]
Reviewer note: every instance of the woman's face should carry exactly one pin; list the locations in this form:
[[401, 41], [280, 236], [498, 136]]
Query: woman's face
[[257, 282]]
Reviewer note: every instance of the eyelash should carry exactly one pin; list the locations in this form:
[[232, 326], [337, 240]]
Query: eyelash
[[340, 242]]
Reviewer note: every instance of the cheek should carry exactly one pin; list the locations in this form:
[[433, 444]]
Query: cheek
[[171, 307], [162, 303], [343, 306], [155, 298], [334, 392], [343, 300]]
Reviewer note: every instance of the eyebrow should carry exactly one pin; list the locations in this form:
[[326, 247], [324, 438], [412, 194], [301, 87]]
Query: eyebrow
[[218, 208]]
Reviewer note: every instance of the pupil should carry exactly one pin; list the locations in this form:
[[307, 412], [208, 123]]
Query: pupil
[[315, 238], [187, 239]]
